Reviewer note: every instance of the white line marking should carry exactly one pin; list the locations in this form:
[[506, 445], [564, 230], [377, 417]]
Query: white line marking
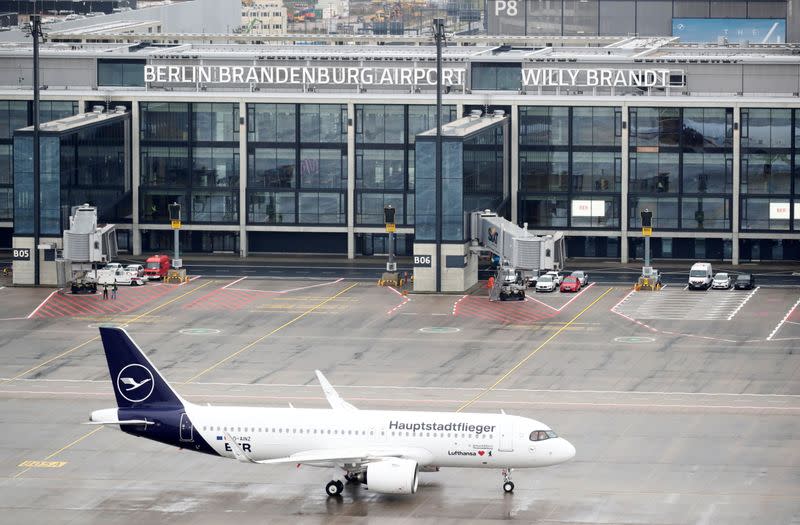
[[406, 300], [785, 317], [2, 287], [233, 282], [42, 304], [444, 388], [455, 304], [13, 319], [565, 304], [432, 401], [340, 279], [749, 296]]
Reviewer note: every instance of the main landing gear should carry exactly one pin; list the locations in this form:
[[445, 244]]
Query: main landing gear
[[508, 485], [334, 488]]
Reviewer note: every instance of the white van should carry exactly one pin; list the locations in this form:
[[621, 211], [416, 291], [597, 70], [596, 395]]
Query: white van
[[700, 276]]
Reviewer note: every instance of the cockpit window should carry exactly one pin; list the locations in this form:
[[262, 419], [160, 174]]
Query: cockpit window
[[541, 435]]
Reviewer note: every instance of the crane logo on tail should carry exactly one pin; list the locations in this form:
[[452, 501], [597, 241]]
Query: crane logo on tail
[[133, 382]]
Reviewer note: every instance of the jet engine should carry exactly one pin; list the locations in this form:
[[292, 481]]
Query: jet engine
[[392, 476]]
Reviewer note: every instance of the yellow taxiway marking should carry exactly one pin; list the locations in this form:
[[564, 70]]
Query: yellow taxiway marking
[[95, 338], [281, 327], [527, 357], [42, 464], [54, 454]]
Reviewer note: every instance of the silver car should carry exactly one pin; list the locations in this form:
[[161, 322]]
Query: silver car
[[581, 276], [722, 281]]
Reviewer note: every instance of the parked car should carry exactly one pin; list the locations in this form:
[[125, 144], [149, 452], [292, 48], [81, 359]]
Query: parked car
[[722, 281], [135, 269], [570, 284], [700, 276], [556, 277], [745, 281], [582, 276], [545, 283]]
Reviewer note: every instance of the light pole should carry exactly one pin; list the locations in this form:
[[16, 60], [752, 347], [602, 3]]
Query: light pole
[[438, 34], [175, 220], [35, 28]]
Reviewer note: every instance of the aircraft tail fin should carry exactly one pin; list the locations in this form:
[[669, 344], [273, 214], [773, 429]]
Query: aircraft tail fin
[[137, 383]]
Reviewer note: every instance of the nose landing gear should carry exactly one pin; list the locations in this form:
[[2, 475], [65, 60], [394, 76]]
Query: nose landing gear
[[334, 488], [508, 485]]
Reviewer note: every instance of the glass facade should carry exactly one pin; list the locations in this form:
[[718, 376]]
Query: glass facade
[[681, 167], [82, 165], [473, 178], [494, 76], [189, 155], [113, 72], [16, 114], [385, 149], [297, 164], [770, 193], [570, 165]]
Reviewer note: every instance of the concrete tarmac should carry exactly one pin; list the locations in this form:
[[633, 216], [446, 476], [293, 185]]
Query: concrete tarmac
[[675, 421]]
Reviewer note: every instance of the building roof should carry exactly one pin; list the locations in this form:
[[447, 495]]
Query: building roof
[[527, 49], [469, 125], [77, 121]]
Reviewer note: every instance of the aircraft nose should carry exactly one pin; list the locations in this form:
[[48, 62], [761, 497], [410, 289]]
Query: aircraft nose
[[567, 450]]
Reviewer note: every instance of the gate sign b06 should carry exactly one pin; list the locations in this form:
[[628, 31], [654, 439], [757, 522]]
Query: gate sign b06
[[422, 261]]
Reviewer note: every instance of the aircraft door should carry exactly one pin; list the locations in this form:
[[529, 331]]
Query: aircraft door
[[506, 438], [186, 428]]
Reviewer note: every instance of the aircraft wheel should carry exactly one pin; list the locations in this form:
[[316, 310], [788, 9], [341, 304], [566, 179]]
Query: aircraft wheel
[[334, 488], [508, 487]]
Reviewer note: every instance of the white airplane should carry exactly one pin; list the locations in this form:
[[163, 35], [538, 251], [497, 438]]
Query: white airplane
[[382, 449]]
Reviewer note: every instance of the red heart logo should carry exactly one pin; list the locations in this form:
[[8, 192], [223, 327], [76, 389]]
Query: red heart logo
[[481, 452]]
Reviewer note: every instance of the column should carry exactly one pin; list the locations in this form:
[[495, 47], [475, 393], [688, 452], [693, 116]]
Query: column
[[514, 152], [737, 176], [623, 198], [351, 180], [136, 177], [243, 248]]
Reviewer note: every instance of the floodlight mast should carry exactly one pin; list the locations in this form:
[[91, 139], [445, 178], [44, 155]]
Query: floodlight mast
[[439, 36]]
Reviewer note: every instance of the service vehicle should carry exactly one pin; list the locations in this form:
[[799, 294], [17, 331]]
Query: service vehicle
[[546, 283], [115, 274], [135, 269], [510, 284], [570, 284], [700, 276], [382, 449], [582, 276], [745, 281], [722, 281], [156, 267]]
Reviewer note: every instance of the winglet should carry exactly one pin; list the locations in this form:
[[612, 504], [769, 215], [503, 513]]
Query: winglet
[[336, 402], [237, 450]]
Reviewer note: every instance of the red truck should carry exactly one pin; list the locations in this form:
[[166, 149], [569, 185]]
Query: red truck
[[156, 267]]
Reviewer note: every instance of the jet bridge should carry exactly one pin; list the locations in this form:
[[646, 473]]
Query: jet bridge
[[517, 247]]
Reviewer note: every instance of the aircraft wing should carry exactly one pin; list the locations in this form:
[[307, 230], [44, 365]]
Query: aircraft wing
[[336, 402], [351, 456]]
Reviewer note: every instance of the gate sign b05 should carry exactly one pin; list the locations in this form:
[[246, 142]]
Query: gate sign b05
[[22, 254]]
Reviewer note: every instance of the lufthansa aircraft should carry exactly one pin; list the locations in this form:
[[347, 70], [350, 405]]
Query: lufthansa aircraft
[[384, 450]]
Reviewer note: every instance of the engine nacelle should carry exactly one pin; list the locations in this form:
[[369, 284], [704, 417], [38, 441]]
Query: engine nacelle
[[393, 476]]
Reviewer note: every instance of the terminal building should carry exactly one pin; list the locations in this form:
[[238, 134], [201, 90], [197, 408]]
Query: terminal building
[[298, 148]]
